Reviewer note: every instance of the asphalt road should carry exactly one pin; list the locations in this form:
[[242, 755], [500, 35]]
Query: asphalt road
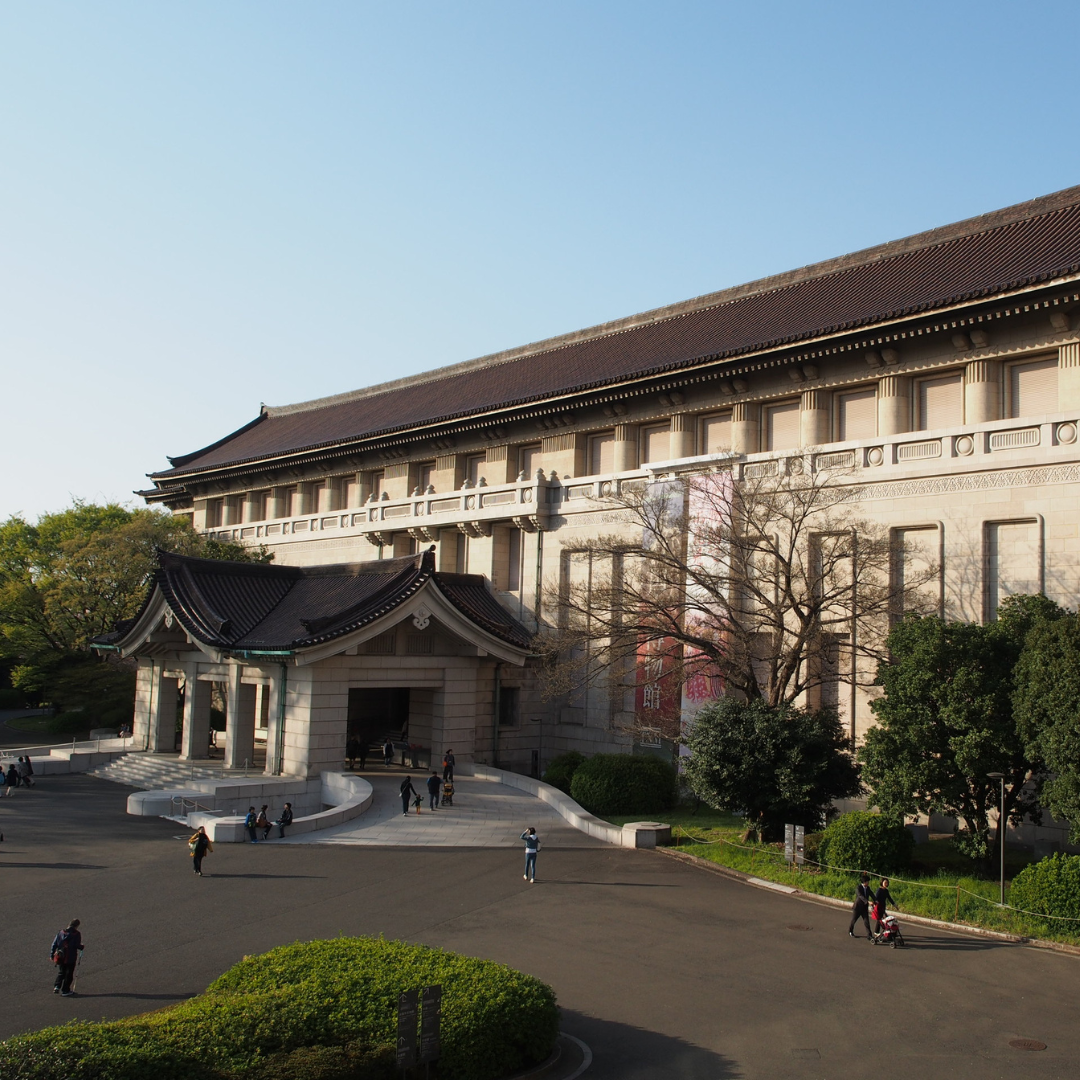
[[665, 970]]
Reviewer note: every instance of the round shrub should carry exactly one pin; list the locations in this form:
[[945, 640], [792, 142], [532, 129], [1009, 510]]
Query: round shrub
[[624, 784], [319, 1010], [865, 841], [1049, 887], [561, 769]]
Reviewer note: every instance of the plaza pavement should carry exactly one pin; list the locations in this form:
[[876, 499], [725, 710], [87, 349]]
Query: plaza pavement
[[484, 815], [667, 971]]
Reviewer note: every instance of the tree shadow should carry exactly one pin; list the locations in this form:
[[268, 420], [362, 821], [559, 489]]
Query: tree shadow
[[51, 866], [625, 1052], [145, 997], [285, 877]]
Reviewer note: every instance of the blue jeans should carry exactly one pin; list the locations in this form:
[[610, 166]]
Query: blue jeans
[[530, 865]]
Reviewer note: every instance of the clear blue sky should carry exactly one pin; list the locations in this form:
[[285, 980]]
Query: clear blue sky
[[206, 206]]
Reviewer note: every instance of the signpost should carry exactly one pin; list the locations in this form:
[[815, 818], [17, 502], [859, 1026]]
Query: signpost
[[430, 1020], [430, 998], [789, 844], [800, 845], [406, 1028]]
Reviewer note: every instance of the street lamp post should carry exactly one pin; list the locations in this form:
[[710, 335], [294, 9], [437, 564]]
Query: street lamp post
[[1001, 828], [540, 751]]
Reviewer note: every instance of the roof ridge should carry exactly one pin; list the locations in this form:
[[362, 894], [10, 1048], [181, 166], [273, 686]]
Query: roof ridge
[[983, 223]]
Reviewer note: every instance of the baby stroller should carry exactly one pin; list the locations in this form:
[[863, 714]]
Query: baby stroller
[[888, 931], [448, 793]]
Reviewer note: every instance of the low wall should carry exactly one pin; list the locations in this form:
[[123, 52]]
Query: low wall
[[638, 834], [346, 795]]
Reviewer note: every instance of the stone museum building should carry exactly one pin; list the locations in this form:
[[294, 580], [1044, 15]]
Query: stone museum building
[[416, 525]]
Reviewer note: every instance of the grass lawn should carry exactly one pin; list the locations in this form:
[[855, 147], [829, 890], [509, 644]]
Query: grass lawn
[[686, 817], [66, 725], [951, 891]]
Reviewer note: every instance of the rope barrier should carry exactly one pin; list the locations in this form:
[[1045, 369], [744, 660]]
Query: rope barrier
[[755, 849]]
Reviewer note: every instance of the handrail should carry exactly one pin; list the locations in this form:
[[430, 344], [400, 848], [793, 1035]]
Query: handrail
[[75, 746], [187, 805]]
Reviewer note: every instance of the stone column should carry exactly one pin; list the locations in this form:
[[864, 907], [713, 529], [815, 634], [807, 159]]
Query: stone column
[[982, 392], [626, 448], [745, 428], [683, 429], [278, 503], [163, 713], [894, 405], [195, 740], [814, 418], [239, 721], [1069, 377], [273, 721], [501, 465], [253, 506]]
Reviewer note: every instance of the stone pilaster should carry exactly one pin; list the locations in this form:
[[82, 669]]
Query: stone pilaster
[[982, 391], [746, 428], [814, 418], [239, 721], [894, 405], [626, 447], [1069, 377], [195, 740], [683, 430]]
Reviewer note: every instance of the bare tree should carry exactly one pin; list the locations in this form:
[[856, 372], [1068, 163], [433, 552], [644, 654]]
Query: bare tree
[[764, 581]]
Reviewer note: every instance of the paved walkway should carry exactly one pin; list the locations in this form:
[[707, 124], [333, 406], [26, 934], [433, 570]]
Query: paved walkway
[[484, 814]]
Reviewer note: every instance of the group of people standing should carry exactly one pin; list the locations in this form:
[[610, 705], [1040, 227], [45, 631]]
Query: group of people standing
[[436, 788], [19, 774], [870, 904]]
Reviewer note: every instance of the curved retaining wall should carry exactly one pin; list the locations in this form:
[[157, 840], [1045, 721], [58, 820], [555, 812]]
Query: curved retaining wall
[[635, 834]]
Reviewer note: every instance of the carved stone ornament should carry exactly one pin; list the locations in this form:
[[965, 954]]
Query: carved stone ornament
[[421, 618], [170, 619]]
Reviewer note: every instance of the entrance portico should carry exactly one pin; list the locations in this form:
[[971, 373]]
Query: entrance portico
[[299, 647]]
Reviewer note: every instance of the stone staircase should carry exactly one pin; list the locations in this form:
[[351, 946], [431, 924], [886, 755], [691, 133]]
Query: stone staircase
[[149, 772]]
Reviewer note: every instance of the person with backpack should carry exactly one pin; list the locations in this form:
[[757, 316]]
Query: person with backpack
[[249, 824], [407, 792], [532, 846], [200, 847], [285, 819], [64, 954]]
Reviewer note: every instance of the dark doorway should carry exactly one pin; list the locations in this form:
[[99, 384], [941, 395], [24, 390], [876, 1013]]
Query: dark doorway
[[376, 714]]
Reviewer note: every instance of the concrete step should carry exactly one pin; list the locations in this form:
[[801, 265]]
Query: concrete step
[[149, 771]]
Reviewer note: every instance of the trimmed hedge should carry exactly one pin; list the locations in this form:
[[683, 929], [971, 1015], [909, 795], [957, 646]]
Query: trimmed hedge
[[319, 1010], [1049, 887], [561, 769], [865, 841], [624, 784]]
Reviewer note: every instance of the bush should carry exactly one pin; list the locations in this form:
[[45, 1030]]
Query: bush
[[624, 784], [11, 699], [1049, 887], [320, 1010], [865, 841], [561, 769]]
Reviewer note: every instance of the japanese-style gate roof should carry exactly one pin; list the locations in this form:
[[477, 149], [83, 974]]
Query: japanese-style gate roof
[[242, 607]]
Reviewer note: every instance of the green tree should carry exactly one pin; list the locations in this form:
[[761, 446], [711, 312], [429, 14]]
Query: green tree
[[73, 575], [774, 764], [946, 720], [1046, 702]]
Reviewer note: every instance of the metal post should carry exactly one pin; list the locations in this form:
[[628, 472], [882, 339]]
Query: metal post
[[1001, 829]]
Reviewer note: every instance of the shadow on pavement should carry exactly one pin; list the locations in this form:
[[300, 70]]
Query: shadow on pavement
[[624, 884], [52, 865], [287, 877], [957, 944], [625, 1052], [144, 997]]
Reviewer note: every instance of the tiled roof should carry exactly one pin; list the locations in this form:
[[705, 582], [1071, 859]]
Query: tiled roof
[[239, 606], [896, 280]]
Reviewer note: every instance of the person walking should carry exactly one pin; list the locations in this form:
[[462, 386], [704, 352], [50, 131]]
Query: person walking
[[433, 784], [880, 898], [200, 846], [26, 773], [448, 766], [352, 752], [532, 846], [12, 778], [388, 752], [285, 819], [64, 954], [263, 822], [361, 753], [407, 792], [5, 787], [250, 823], [860, 909]]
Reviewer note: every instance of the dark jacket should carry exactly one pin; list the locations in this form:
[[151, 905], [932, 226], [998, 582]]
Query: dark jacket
[[68, 943], [433, 783], [406, 787], [286, 817], [863, 895], [879, 902]]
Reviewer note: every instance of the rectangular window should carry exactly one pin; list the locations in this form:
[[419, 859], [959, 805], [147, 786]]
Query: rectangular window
[[917, 570], [529, 460], [1013, 561], [656, 443], [376, 480], [352, 492], [602, 453], [716, 433], [782, 426], [508, 706], [856, 415], [474, 468], [941, 402], [1033, 388], [425, 474], [513, 577], [214, 509]]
